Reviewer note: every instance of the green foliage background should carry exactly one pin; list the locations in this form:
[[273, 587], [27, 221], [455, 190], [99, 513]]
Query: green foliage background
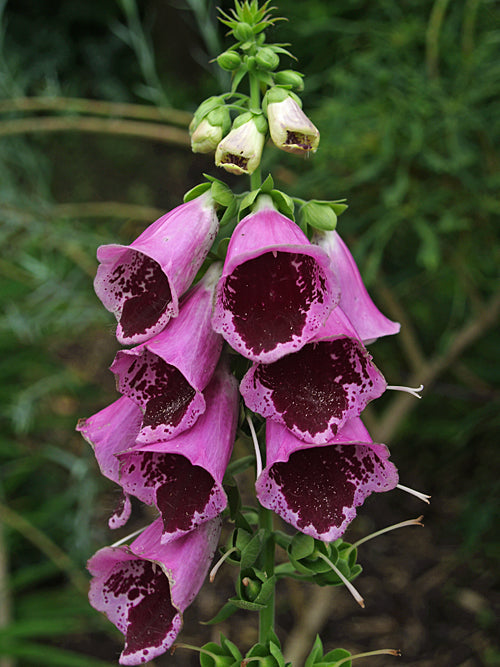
[[406, 97]]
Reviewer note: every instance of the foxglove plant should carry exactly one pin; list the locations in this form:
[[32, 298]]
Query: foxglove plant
[[229, 290]]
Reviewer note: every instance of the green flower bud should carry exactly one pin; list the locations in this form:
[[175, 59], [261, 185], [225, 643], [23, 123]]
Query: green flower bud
[[289, 77], [318, 216], [243, 32], [229, 61], [208, 132], [267, 59]]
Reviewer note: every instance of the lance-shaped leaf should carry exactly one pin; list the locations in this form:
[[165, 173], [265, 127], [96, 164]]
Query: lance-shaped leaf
[[355, 301], [317, 489], [183, 476], [314, 391], [141, 283], [166, 375], [144, 588], [276, 289]]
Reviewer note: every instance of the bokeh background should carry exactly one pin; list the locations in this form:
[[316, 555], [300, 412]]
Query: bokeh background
[[95, 98]]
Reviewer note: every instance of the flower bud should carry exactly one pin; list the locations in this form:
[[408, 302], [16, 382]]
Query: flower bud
[[229, 61], [240, 151], [208, 126], [210, 131], [291, 130], [267, 59], [243, 32], [289, 77]]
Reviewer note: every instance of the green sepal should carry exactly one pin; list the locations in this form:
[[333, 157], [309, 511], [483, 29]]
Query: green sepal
[[198, 190], [316, 652], [227, 610], [230, 212], [301, 546], [227, 654], [240, 465], [238, 77], [251, 551], [221, 193], [247, 201], [246, 604], [318, 216], [267, 185], [284, 203], [222, 248]]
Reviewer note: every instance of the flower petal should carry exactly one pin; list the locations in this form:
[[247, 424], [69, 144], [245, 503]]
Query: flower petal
[[144, 588], [141, 283], [355, 301], [276, 289], [317, 489], [183, 477], [314, 391], [166, 375]]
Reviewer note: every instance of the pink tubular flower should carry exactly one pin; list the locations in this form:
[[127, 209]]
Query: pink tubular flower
[[110, 431], [145, 587], [355, 301], [314, 391], [166, 375], [276, 289], [317, 489], [141, 283], [183, 477]]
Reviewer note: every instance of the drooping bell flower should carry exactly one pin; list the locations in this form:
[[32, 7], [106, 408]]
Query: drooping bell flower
[[109, 431], [355, 301], [290, 128], [183, 477], [317, 488], [144, 588], [141, 283], [314, 391], [166, 375], [241, 150], [276, 290]]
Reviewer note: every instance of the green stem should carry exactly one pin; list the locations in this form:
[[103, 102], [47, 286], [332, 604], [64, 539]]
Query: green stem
[[266, 616], [256, 177]]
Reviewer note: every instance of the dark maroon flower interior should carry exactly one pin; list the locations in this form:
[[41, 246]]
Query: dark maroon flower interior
[[181, 488], [159, 388], [145, 290], [309, 387], [150, 620], [269, 298], [318, 482]]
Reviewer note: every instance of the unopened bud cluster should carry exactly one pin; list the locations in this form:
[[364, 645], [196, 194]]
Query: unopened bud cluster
[[238, 146]]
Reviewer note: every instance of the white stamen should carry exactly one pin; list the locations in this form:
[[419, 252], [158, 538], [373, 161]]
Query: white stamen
[[256, 446], [418, 494], [345, 581], [409, 522], [218, 564], [409, 390], [129, 537]]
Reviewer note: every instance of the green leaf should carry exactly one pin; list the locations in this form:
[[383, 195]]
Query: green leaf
[[240, 465], [316, 652], [302, 546], [252, 550], [230, 212], [221, 193], [222, 248], [227, 610], [196, 191], [246, 604], [248, 200]]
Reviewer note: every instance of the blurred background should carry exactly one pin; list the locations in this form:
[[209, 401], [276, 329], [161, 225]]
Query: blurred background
[[95, 98]]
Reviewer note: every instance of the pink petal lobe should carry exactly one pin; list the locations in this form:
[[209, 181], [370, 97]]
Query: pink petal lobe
[[317, 488], [276, 289], [144, 588], [355, 301], [142, 283], [314, 391], [183, 476]]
